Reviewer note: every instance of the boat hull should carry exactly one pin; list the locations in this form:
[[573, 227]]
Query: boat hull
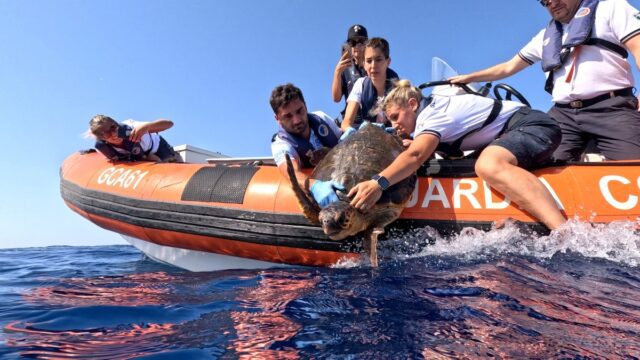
[[249, 211]]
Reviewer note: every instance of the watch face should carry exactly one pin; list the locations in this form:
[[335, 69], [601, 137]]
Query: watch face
[[382, 181]]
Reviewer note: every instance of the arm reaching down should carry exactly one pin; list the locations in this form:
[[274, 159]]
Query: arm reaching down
[[365, 194], [496, 72]]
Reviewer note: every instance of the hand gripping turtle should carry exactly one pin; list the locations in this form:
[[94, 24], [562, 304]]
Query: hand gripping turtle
[[358, 158]]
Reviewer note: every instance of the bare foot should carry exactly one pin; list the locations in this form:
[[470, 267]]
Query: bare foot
[[521, 226], [499, 224]]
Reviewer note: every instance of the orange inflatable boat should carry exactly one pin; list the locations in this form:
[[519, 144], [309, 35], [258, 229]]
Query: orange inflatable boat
[[205, 217]]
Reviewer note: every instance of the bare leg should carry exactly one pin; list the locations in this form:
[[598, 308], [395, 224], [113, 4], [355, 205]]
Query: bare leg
[[498, 167], [371, 245]]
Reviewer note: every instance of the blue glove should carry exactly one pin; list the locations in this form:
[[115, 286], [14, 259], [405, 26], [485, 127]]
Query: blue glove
[[325, 192], [346, 134]]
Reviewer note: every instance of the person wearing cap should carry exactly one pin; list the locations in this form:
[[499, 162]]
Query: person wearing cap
[[350, 67], [584, 50], [368, 91]]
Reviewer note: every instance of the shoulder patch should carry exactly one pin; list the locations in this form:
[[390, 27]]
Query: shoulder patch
[[582, 12], [323, 130]]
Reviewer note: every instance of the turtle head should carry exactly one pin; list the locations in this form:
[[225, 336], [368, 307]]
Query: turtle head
[[339, 220]]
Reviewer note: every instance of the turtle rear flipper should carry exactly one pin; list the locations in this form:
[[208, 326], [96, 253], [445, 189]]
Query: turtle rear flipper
[[371, 244], [308, 204]]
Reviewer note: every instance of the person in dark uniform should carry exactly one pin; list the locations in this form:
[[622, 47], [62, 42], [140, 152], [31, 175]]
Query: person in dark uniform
[[350, 67], [368, 91], [132, 140]]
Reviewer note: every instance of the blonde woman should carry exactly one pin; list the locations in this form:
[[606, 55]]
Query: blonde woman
[[132, 140], [513, 137]]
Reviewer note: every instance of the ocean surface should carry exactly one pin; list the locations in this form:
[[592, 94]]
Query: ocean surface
[[502, 295]]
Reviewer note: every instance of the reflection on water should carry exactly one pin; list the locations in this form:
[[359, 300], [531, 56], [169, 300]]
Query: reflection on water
[[509, 298]]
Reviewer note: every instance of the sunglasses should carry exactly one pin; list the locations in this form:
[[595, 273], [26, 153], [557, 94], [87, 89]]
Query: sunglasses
[[544, 3], [356, 42], [106, 134]]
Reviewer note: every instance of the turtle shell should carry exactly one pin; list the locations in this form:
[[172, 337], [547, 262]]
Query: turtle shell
[[363, 155]]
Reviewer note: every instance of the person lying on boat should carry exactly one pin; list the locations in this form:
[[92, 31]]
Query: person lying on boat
[[516, 137], [369, 90], [305, 136], [132, 140], [585, 50], [350, 67]]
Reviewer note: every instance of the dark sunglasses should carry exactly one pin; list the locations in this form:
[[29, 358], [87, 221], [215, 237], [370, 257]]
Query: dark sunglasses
[[544, 3], [355, 42], [105, 134]]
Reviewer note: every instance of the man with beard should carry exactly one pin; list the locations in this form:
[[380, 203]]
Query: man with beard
[[305, 137]]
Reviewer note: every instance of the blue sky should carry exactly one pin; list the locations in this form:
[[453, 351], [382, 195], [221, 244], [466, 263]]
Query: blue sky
[[210, 67]]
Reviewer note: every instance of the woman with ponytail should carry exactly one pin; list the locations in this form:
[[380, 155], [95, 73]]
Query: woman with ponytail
[[511, 139]]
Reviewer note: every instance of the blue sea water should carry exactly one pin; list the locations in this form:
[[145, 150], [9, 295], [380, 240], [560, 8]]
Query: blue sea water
[[477, 295]]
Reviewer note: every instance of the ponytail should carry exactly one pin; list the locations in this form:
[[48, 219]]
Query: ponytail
[[401, 94]]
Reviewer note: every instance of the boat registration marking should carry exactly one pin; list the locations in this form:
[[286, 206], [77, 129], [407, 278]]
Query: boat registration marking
[[619, 202], [120, 177], [450, 194]]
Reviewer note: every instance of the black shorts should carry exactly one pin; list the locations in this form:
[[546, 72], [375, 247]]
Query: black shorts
[[531, 136]]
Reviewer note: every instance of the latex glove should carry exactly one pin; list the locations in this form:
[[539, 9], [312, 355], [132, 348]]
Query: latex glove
[[325, 192], [346, 134]]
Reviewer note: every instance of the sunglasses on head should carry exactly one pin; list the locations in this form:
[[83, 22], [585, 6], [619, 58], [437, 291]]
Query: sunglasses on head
[[355, 42]]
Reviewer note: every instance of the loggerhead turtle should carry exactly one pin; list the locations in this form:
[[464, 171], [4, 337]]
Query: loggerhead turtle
[[358, 158]]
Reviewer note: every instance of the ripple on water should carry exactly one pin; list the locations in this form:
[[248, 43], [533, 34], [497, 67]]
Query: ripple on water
[[496, 294]]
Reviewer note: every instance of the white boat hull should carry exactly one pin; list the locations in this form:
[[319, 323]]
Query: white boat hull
[[194, 260]]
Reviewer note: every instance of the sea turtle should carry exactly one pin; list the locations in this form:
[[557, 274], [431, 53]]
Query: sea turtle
[[358, 158]]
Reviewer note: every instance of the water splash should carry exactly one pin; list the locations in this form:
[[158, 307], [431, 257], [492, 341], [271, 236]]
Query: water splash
[[615, 241]]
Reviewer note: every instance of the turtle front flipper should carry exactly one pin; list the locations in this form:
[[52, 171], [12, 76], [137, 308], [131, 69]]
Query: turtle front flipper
[[308, 204], [371, 245]]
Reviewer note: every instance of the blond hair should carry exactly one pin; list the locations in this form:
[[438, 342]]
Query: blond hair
[[401, 94], [97, 125]]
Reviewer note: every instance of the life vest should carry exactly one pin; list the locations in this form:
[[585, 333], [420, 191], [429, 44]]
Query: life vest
[[579, 31], [352, 73], [355, 72], [370, 98], [303, 147], [127, 150]]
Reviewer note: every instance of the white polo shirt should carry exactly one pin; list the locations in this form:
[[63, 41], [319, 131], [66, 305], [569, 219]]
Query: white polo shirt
[[280, 147], [450, 117], [597, 70], [148, 140]]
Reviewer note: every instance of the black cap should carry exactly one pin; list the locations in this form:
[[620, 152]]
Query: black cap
[[357, 31]]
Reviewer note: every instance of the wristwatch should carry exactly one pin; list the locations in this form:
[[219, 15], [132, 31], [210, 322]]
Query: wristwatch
[[382, 181]]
